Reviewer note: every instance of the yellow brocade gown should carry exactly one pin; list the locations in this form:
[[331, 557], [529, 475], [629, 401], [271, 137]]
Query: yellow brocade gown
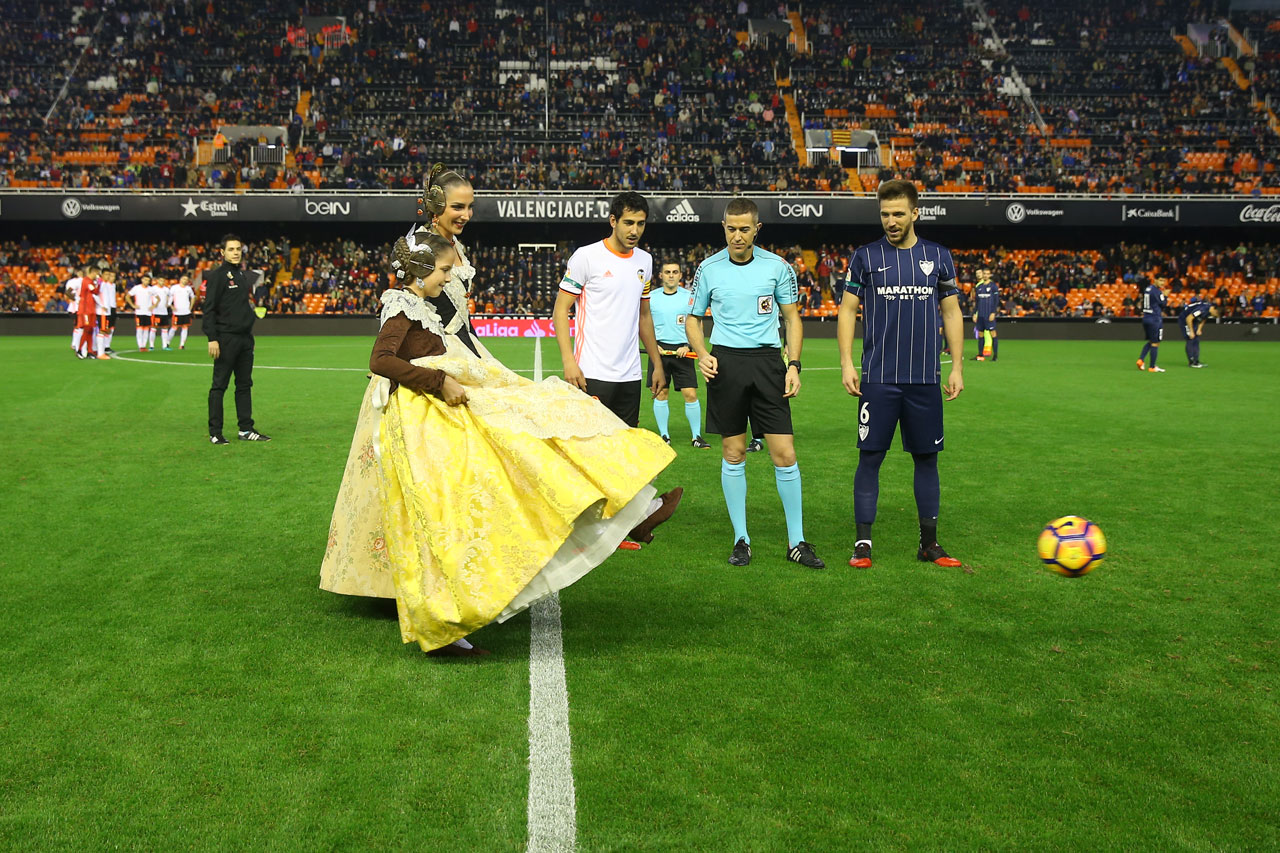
[[468, 514]]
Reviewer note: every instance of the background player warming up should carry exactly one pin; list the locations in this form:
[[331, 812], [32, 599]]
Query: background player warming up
[[902, 283], [745, 287], [1192, 319], [1153, 301], [986, 306], [669, 307]]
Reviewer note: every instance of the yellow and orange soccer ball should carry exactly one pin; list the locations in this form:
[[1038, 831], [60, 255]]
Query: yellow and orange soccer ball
[[1072, 546]]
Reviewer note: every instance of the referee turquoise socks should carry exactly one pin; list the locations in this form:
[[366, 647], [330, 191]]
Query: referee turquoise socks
[[693, 411], [662, 414], [733, 480], [788, 480]]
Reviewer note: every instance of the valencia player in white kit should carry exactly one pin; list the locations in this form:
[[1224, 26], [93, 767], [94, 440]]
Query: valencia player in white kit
[[607, 285]]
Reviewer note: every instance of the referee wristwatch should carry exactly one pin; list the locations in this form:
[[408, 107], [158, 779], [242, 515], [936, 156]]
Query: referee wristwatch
[[794, 363]]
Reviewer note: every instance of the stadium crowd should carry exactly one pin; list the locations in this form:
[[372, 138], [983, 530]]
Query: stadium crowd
[[647, 95], [347, 276]]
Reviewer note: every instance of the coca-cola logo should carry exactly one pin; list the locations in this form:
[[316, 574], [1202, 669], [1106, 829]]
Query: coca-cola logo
[[1254, 213]]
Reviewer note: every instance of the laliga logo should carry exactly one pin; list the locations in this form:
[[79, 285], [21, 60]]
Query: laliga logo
[[799, 209], [71, 208], [1248, 213], [1015, 212]]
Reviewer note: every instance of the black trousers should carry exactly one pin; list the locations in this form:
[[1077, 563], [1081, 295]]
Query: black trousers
[[236, 357]]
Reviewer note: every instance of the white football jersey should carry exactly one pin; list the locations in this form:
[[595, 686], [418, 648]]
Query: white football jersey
[[609, 288], [141, 297], [180, 297], [106, 296], [159, 299], [72, 287]]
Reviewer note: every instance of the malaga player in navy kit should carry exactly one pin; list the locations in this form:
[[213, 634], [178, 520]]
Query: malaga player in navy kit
[[902, 283], [746, 288], [1192, 318], [1153, 301], [986, 305]]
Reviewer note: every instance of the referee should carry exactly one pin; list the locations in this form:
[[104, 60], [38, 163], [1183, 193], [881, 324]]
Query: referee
[[228, 323], [745, 287], [669, 307]]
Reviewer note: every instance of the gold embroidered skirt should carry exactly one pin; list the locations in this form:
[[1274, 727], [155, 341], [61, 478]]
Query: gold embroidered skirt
[[469, 514]]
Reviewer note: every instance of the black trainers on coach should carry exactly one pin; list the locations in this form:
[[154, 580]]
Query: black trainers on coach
[[699, 443], [252, 435], [803, 554], [741, 555], [217, 439]]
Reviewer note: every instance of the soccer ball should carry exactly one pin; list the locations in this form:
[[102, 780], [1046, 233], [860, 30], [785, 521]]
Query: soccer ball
[[1072, 546]]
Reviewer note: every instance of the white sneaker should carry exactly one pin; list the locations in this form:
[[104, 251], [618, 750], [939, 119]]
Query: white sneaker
[[1155, 370]]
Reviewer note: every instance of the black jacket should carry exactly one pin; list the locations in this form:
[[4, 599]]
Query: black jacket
[[226, 307]]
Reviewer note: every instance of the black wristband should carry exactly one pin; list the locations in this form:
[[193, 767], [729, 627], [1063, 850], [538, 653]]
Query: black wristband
[[794, 363]]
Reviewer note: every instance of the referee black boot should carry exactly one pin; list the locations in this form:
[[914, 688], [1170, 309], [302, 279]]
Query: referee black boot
[[803, 554], [741, 555]]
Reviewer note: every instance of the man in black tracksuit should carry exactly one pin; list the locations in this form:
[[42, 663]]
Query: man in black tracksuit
[[228, 322]]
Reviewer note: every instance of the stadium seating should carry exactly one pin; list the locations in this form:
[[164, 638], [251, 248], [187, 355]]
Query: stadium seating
[[1037, 97], [345, 277]]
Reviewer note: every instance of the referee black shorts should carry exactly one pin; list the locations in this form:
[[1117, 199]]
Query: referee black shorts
[[621, 398], [750, 383], [681, 372]]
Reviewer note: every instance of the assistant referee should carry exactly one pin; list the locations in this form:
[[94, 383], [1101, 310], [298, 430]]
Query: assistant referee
[[228, 323]]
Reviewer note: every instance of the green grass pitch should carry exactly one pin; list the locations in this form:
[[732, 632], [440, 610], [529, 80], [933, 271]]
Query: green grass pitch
[[173, 677]]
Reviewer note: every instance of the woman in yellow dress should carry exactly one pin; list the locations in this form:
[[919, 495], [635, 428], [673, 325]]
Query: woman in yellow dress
[[470, 491]]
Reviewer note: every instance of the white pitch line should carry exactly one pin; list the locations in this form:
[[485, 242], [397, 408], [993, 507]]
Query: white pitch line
[[206, 364], [553, 819]]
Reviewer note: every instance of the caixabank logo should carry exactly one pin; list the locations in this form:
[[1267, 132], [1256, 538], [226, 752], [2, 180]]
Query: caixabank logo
[[683, 212], [1148, 213]]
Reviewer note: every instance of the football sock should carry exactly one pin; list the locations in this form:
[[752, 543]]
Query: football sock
[[995, 347], [928, 531], [75, 338], [1197, 350], [183, 341], [151, 338], [987, 345], [733, 481], [788, 480], [693, 411], [661, 414], [864, 531], [1191, 350], [110, 337], [927, 488], [101, 341], [866, 486], [140, 335], [1146, 348], [1155, 351]]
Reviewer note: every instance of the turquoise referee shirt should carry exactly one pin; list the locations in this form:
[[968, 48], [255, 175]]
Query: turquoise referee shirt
[[668, 315], [744, 298]]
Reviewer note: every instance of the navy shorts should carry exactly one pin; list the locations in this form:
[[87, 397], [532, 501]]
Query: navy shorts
[[1153, 331], [985, 325], [917, 407]]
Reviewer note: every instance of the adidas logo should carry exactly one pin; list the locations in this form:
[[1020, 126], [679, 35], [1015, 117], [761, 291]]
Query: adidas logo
[[608, 274], [683, 212]]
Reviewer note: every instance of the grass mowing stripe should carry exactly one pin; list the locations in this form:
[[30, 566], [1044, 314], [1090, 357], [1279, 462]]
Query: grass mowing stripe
[[552, 811]]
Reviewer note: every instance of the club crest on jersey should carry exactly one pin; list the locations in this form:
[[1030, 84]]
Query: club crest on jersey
[[926, 267], [764, 305]]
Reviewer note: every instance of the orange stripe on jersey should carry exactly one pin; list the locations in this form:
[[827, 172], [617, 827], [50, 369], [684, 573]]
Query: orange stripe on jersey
[[581, 315]]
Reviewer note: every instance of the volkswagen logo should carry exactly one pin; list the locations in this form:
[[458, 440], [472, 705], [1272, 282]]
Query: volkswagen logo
[[1015, 212], [71, 208]]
